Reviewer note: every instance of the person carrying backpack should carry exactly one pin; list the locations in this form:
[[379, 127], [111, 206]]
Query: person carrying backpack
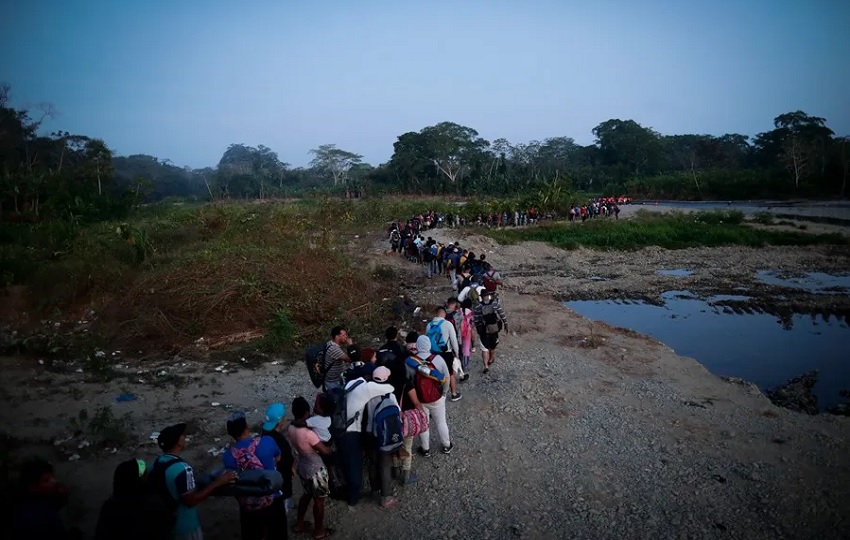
[[432, 394], [489, 320], [467, 333], [130, 512], [173, 481], [455, 316], [443, 337], [351, 409], [491, 279], [273, 426], [384, 426], [256, 513]]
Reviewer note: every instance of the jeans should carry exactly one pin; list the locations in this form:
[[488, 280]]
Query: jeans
[[453, 274], [352, 465], [436, 413]]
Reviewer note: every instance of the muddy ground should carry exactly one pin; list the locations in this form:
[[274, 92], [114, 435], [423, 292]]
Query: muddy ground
[[567, 437]]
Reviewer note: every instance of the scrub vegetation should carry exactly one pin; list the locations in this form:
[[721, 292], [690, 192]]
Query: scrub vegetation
[[672, 231]]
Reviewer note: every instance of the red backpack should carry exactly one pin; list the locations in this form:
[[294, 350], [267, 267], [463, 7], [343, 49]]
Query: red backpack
[[428, 390], [246, 460], [490, 282]]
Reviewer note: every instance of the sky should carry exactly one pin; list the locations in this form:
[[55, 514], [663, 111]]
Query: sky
[[184, 79]]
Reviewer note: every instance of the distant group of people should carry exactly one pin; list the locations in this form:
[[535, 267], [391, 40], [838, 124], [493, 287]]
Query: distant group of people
[[601, 206]]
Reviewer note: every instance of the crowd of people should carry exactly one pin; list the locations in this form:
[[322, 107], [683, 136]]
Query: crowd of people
[[370, 407], [601, 206]]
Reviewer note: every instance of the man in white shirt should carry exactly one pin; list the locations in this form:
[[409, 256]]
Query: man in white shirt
[[474, 285], [358, 393], [436, 411]]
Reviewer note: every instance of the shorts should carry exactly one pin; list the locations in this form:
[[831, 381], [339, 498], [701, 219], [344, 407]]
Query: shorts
[[317, 486], [489, 342]]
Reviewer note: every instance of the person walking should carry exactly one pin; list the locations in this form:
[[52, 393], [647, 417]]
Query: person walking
[[490, 319], [435, 409], [443, 337]]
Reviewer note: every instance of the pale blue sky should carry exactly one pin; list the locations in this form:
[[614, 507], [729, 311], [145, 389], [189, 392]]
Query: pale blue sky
[[182, 79]]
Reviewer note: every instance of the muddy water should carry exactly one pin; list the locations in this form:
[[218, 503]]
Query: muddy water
[[754, 346]]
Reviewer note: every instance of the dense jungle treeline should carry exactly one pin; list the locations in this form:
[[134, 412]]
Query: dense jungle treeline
[[78, 178]]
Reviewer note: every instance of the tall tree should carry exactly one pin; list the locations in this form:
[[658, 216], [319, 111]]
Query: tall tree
[[453, 148], [627, 144], [335, 161]]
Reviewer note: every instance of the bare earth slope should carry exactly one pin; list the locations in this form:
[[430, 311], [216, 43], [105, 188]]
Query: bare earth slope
[[560, 440]]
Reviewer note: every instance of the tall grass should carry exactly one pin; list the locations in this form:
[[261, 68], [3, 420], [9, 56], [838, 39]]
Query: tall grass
[[671, 231]]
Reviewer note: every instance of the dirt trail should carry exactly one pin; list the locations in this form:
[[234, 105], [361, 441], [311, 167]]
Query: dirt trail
[[560, 440]]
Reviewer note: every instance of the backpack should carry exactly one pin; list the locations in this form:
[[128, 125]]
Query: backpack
[[385, 357], [474, 296], [164, 506], [492, 324], [247, 460], [386, 425], [339, 419], [314, 358], [428, 389], [466, 325], [435, 334], [435, 251], [490, 282], [465, 282]]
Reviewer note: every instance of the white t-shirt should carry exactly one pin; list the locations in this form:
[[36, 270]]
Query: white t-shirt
[[356, 400], [321, 425], [466, 290]]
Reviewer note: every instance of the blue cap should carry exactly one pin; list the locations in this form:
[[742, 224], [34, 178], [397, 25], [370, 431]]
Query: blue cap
[[274, 414]]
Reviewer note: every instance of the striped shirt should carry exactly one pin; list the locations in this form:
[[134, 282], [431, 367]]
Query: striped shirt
[[478, 313]]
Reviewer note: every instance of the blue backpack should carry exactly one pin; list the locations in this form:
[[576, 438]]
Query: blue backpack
[[386, 426], [435, 334]]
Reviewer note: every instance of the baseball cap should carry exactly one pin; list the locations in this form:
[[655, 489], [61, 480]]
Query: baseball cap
[[381, 374], [274, 414], [170, 436]]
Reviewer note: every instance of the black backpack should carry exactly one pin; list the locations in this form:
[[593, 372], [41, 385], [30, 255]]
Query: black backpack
[[385, 357], [163, 505], [314, 357], [339, 419]]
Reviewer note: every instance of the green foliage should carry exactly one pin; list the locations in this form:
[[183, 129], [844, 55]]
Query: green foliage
[[765, 218], [672, 231], [103, 427], [280, 332]]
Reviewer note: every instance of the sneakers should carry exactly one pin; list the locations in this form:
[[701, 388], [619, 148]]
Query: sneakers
[[386, 502], [457, 397], [465, 377], [448, 449], [408, 478], [424, 453]]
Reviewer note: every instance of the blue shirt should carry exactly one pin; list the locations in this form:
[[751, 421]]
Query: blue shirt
[[267, 451]]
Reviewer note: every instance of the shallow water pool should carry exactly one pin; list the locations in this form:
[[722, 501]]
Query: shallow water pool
[[758, 347]]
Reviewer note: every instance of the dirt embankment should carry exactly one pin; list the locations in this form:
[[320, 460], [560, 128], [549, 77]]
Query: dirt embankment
[[615, 437]]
